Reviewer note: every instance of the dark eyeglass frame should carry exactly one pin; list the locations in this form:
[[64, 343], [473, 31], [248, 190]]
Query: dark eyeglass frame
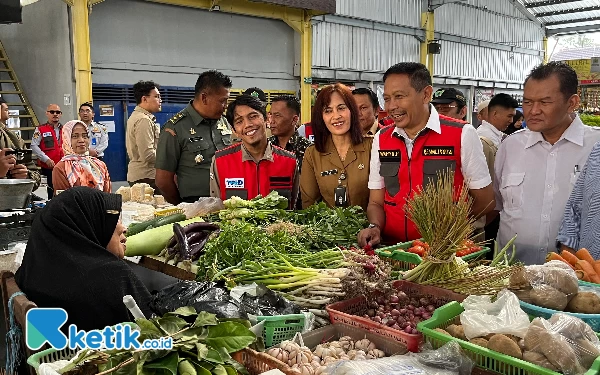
[[53, 112]]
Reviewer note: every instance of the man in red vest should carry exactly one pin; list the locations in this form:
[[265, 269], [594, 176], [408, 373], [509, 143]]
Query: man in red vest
[[410, 154], [254, 166], [47, 145]]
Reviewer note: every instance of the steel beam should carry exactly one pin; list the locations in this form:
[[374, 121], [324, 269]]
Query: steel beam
[[548, 2]]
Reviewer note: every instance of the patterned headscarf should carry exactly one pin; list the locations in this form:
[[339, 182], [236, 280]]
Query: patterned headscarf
[[87, 169]]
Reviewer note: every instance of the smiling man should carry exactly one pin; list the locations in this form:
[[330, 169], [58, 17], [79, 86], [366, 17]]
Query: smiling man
[[253, 166], [410, 154]]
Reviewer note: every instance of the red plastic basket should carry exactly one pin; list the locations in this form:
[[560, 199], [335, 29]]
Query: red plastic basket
[[350, 312]]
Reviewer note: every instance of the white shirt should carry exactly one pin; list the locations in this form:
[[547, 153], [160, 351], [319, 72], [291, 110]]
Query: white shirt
[[98, 137], [490, 132], [473, 165], [533, 180]]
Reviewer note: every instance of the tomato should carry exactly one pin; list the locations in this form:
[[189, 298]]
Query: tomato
[[468, 243], [419, 250], [461, 253], [418, 243]]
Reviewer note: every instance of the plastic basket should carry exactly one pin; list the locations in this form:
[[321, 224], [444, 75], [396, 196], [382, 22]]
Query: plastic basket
[[537, 311], [404, 261], [351, 312], [281, 327], [483, 357]]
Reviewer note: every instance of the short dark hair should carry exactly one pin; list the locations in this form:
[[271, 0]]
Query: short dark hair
[[291, 102], [143, 88], [503, 100], [2, 101], [418, 74], [565, 73], [86, 104], [211, 80], [248, 100], [318, 125], [518, 115], [372, 95]]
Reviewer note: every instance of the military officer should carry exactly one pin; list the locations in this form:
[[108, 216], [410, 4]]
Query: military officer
[[96, 131], [189, 140]]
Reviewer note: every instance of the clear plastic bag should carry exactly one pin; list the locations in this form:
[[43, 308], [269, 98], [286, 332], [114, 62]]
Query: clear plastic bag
[[562, 343], [505, 316], [202, 207], [551, 285], [447, 360]]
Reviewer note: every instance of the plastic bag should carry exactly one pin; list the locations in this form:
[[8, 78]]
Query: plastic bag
[[482, 316], [447, 360], [215, 299], [551, 285], [202, 207], [562, 343]]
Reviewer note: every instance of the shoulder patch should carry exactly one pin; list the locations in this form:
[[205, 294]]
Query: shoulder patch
[[228, 151], [177, 117]]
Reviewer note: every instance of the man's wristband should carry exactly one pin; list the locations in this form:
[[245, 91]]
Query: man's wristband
[[371, 225]]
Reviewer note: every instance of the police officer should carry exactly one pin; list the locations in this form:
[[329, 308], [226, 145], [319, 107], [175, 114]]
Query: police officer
[[96, 131], [189, 140], [407, 155], [47, 145]]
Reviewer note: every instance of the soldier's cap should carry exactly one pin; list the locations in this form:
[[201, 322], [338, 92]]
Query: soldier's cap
[[483, 105], [445, 96], [257, 93]]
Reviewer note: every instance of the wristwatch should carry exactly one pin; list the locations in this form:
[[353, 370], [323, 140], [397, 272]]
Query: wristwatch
[[371, 225]]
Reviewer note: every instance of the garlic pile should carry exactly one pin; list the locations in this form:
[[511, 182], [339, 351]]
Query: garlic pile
[[307, 362]]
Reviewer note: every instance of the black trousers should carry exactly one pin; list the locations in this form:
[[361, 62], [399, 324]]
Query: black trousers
[[48, 173]]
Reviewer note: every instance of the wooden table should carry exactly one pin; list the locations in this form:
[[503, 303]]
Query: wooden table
[[157, 264]]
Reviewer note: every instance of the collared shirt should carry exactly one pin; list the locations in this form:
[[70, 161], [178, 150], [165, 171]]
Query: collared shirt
[[10, 139], [297, 144], [473, 168], [490, 132], [374, 128], [98, 137], [533, 180], [141, 139], [36, 140], [215, 186], [581, 220]]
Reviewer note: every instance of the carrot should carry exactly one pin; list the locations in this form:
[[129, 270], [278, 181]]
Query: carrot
[[554, 256], [596, 265], [569, 257], [584, 254], [584, 265], [582, 275]]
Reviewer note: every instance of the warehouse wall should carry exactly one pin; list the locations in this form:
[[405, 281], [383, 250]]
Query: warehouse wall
[[40, 52], [133, 40]]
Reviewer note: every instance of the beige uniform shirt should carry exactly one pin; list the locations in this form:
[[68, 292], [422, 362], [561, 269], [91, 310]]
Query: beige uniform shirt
[[141, 140]]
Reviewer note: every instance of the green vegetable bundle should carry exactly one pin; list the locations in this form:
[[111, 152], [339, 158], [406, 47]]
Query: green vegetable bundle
[[202, 344]]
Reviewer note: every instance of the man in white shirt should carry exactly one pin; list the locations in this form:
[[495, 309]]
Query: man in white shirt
[[501, 111], [536, 168], [410, 154]]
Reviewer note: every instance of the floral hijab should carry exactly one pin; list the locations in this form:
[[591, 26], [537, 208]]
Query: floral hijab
[[86, 169]]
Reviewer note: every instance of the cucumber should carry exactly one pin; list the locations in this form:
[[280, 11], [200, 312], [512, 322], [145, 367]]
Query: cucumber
[[153, 223], [153, 241]]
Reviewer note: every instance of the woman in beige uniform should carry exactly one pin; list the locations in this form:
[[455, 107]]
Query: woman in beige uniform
[[335, 169]]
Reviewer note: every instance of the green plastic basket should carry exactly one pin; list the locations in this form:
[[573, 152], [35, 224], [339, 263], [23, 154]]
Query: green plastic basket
[[483, 357], [281, 327], [404, 261]]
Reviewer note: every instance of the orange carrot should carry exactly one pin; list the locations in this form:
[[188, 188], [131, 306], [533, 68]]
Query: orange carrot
[[554, 256], [584, 254], [584, 265], [569, 257], [596, 265], [582, 275]]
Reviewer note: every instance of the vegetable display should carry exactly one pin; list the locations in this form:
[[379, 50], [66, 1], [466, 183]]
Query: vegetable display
[[187, 243], [153, 241], [136, 228], [202, 344], [586, 268]]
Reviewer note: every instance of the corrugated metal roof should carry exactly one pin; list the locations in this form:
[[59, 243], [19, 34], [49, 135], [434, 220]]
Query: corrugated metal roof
[[565, 16], [576, 53]]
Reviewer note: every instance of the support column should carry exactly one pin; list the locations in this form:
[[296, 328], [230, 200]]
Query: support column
[[306, 68], [545, 43], [81, 51]]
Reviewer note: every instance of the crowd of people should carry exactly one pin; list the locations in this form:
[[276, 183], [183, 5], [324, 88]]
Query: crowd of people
[[536, 183]]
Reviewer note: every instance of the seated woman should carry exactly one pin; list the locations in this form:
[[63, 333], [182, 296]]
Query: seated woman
[[73, 260], [335, 169], [77, 167]]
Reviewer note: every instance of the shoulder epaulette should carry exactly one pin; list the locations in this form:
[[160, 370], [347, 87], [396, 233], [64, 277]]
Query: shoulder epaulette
[[279, 151], [228, 151], [386, 129], [177, 117]]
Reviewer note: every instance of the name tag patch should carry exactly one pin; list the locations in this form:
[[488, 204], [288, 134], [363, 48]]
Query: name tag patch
[[329, 172], [438, 151], [47, 134], [389, 155], [234, 183]]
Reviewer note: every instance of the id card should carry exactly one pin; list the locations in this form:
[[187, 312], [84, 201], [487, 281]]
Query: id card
[[340, 196]]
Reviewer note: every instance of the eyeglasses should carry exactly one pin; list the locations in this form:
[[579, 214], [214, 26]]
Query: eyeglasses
[[55, 112]]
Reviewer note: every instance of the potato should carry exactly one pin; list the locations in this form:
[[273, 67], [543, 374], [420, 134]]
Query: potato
[[587, 352], [456, 331], [571, 327], [584, 303], [524, 295], [559, 352], [442, 331], [546, 296], [518, 280], [505, 345], [532, 337], [479, 341], [539, 359]]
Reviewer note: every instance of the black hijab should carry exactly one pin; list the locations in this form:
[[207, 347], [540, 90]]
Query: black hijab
[[66, 263]]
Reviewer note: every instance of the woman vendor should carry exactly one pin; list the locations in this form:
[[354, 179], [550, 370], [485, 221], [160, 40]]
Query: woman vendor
[[73, 260], [77, 167]]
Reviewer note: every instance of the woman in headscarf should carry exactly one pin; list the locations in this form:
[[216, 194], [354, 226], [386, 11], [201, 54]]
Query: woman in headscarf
[[73, 260], [77, 167], [517, 123]]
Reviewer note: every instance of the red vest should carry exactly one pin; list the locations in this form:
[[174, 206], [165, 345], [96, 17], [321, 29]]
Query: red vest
[[308, 132], [432, 153], [247, 179], [49, 144]]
